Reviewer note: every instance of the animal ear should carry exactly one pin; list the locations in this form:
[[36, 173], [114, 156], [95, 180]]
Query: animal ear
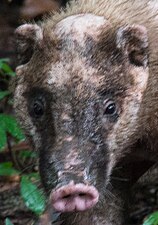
[[133, 41], [26, 37]]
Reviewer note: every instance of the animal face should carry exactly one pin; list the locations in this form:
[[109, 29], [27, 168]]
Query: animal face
[[78, 96]]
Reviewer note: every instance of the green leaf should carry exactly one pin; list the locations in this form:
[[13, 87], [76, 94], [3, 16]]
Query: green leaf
[[6, 169], [27, 154], [11, 126], [152, 219], [6, 68], [8, 222], [32, 196], [3, 138], [3, 94], [12, 74], [4, 60]]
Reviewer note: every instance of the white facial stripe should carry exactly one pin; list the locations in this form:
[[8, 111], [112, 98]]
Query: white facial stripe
[[76, 27], [79, 25], [59, 73]]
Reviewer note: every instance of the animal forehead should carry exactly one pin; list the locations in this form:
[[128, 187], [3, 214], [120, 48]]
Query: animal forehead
[[79, 25]]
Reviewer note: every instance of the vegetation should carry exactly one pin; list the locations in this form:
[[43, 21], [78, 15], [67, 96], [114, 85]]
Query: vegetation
[[152, 219], [30, 193]]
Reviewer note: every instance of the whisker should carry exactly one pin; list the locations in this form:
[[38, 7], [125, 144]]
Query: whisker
[[119, 179]]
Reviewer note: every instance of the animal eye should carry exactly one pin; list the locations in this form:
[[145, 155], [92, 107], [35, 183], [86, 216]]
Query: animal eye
[[110, 108], [37, 109]]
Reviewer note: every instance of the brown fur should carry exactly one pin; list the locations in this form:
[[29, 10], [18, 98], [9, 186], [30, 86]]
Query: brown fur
[[121, 13]]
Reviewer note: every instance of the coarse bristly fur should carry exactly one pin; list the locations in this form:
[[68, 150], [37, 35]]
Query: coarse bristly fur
[[120, 13], [86, 95]]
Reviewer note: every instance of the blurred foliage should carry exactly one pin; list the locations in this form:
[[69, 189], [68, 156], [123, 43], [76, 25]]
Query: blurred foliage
[[9, 125], [152, 219], [8, 222], [5, 69], [6, 169], [33, 197]]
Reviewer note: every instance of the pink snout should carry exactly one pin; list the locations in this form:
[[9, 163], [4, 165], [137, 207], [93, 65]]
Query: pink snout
[[74, 197]]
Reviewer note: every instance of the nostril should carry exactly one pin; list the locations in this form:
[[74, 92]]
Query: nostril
[[82, 195], [67, 196]]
